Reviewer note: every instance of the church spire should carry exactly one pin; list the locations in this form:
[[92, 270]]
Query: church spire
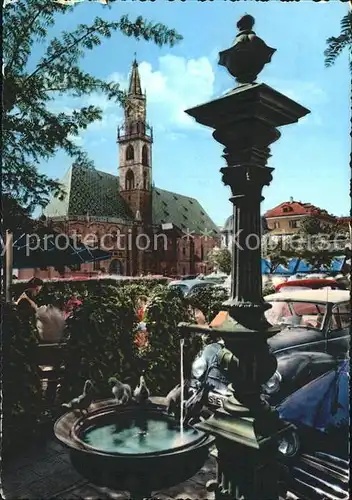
[[135, 80]]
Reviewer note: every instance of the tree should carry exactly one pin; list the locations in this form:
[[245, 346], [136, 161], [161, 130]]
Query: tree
[[32, 131], [220, 258], [336, 45], [315, 225], [319, 242], [274, 254]]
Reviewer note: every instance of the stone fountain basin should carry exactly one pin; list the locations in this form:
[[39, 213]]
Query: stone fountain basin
[[136, 472]]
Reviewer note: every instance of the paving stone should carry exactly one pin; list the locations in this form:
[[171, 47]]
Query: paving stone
[[18, 479], [187, 489], [55, 446], [70, 492], [52, 465], [115, 495], [88, 492], [207, 472]]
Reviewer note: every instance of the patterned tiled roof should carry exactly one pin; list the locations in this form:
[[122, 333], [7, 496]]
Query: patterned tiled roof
[[95, 193], [295, 208], [90, 192], [186, 213]]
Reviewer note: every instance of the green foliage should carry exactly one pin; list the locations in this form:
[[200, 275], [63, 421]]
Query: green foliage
[[99, 344], [32, 130], [274, 254], [312, 225], [336, 45], [21, 389], [268, 288], [166, 310], [58, 292], [318, 245], [220, 258], [209, 300], [101, 338]]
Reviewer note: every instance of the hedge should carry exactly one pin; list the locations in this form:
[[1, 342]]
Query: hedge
[[100, 341]]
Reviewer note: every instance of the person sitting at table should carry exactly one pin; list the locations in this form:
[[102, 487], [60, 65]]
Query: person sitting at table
[[26, 301]]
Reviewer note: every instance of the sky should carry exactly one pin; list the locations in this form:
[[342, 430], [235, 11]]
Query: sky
[[311, 159]]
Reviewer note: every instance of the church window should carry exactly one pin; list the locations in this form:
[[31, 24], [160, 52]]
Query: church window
[[185, 217], [186, 209], [157, 192], [145, 180], [166, 213], [191, 202], [202, 212], [130, 180], [164, 203], [145, 155], [129, 152], [175, 198], [201, 252]]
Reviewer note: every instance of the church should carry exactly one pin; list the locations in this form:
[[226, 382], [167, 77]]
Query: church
[[147, 229]]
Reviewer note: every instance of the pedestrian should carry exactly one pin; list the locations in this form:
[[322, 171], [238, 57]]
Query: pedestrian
[[26, 301]]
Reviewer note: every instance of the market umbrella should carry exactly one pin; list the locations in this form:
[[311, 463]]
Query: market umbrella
[[52, 250]]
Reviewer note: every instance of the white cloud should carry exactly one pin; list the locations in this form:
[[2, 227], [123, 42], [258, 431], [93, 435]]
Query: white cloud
[[174, 86], [306, 93], [76, 139], [177, 85]]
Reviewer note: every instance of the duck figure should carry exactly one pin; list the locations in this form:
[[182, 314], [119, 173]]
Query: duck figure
[[194, 405], [82, 402], [173, 399], [122, 392], [141, 393]]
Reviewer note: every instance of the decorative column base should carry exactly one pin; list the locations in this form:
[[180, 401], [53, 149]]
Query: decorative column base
[[247, 465]]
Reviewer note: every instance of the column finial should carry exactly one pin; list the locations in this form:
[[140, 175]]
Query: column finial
[[249, 54]]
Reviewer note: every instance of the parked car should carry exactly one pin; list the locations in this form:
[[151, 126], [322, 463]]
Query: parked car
[[188, 287], [310, 284], [189, 277], [315, 332], [314, 336], [314, 457]]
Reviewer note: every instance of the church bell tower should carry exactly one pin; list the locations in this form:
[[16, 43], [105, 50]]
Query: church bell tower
[[135, 138]]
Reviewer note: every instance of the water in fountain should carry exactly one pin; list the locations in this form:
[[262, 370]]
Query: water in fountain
[[182, 343], [122, 436]]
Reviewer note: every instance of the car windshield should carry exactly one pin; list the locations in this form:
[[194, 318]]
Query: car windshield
[[294, 313]]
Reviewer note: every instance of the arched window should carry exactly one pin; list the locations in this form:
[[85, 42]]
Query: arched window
[[145, 180], [145, 155], [129, 180], [130, 152]]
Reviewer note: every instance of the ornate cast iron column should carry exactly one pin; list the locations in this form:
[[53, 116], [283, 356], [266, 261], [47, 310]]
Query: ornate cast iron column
[[245, 122]]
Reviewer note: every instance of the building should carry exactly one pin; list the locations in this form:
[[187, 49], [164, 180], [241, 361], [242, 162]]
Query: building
[[227, 231], [285, 218], [148, 229]]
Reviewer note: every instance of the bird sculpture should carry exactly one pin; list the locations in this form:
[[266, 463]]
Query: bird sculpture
[[194, 405], [82, 402], [173, 399], [141, 393], [122, 392]]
